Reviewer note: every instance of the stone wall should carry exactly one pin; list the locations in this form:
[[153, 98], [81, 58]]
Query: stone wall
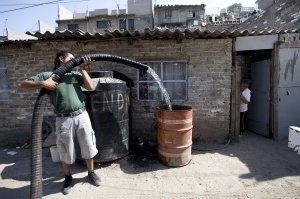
[[209, 81]]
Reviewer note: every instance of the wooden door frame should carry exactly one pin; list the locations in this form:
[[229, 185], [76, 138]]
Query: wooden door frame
[[235, 99]]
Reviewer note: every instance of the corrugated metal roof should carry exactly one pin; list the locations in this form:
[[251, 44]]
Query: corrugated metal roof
[[280, 15], [154, 34]]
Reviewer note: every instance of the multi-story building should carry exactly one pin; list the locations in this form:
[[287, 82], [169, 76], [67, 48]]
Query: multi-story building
[[229, 16], [138, 17], [233, 11], [264, 4], [179, 16], [246, 12]]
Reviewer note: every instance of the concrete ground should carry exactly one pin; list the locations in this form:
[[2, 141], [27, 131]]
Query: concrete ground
[[256, 167]]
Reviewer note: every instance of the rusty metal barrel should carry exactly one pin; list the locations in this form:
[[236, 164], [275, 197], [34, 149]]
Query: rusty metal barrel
[[175, 135]]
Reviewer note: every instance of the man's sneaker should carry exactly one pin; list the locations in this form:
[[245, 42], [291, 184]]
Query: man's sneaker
[[68, 184], [94, 178]]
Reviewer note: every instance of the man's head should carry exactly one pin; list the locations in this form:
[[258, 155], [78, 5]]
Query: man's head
[[244, 84], [62, 57]]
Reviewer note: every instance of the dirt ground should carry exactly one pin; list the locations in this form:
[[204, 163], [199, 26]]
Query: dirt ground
[[256, 167]]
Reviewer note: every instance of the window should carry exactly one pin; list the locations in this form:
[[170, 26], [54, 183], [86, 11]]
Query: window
[[122, 24], [4, 84], [168, 13], [190, 13], [104, 24], [131, 25], [72, 27], [173, 75], [195, 13]]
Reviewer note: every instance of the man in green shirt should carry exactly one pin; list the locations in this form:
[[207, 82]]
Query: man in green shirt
[[72, 118]]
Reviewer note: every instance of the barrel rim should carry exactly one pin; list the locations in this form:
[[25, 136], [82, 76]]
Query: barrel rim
[[175, 107]]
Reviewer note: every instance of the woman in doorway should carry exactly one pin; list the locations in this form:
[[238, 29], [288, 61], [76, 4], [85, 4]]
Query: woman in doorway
[[245, 99]]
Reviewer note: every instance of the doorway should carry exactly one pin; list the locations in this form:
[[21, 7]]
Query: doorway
[[257, 117], [257, 66]]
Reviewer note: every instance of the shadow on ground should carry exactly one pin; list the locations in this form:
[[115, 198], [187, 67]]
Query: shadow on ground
[[265, 158]]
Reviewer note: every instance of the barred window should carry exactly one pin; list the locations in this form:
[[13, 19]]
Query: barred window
[[4, 84], [72, 27], [173, 75], [131, 25], [195, 13], [104, 24], [168, 13], [122, 24]]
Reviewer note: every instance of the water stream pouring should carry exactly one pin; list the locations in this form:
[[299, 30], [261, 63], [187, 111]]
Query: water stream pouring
[[161, 86], [40, 105]]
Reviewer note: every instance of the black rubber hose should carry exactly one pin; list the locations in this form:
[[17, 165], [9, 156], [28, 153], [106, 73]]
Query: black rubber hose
[[36, 144], [37, 117], [99, 57]]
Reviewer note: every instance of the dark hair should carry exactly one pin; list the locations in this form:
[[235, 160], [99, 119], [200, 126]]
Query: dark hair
[[245, 81], [63, 53]]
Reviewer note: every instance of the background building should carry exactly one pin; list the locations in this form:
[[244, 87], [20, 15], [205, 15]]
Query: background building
[[138, 17], [264, 4], [179, 16], [246, 12]]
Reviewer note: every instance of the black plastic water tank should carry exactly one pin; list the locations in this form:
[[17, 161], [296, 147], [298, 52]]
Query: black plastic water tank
[[108, 106]]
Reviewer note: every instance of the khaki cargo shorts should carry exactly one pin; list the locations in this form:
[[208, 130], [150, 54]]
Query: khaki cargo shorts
[[67, 128]]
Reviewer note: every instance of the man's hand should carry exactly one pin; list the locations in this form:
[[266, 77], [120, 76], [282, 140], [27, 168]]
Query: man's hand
[[49, 83], [27, 85], [86, 62]]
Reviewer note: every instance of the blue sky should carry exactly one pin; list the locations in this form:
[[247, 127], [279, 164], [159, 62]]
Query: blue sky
[[22, 16]]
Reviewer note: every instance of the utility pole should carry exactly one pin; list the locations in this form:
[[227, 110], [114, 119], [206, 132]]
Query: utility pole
[[118, 6], [118, 9], [4, 27]]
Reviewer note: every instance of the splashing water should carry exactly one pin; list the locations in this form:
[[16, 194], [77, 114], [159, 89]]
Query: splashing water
[[161, 86]]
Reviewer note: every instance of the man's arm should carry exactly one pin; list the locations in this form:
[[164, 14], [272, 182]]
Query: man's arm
[[87, 81], [27, 85], [244, 99]]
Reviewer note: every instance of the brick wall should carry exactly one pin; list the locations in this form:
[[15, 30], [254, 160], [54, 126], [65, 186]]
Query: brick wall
[[209, 81]]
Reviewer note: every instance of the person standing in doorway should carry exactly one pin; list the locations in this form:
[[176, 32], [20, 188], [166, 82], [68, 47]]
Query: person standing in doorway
[[245, 99], [71, 117]]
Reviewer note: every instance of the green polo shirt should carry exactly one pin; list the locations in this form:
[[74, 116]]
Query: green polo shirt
[[67, 96]]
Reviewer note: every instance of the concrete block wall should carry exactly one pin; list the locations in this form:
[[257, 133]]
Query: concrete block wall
[[179, 14], [140, 23], [140, 7], [209, 81]]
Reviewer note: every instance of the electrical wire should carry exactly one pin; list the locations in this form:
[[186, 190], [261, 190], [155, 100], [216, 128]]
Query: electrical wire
[[213, 149], [34, 5]]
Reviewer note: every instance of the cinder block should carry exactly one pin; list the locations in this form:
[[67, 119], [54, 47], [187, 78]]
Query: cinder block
[[294, 138]]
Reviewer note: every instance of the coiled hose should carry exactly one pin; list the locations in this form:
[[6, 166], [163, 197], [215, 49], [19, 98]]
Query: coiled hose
[[40, 105]]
